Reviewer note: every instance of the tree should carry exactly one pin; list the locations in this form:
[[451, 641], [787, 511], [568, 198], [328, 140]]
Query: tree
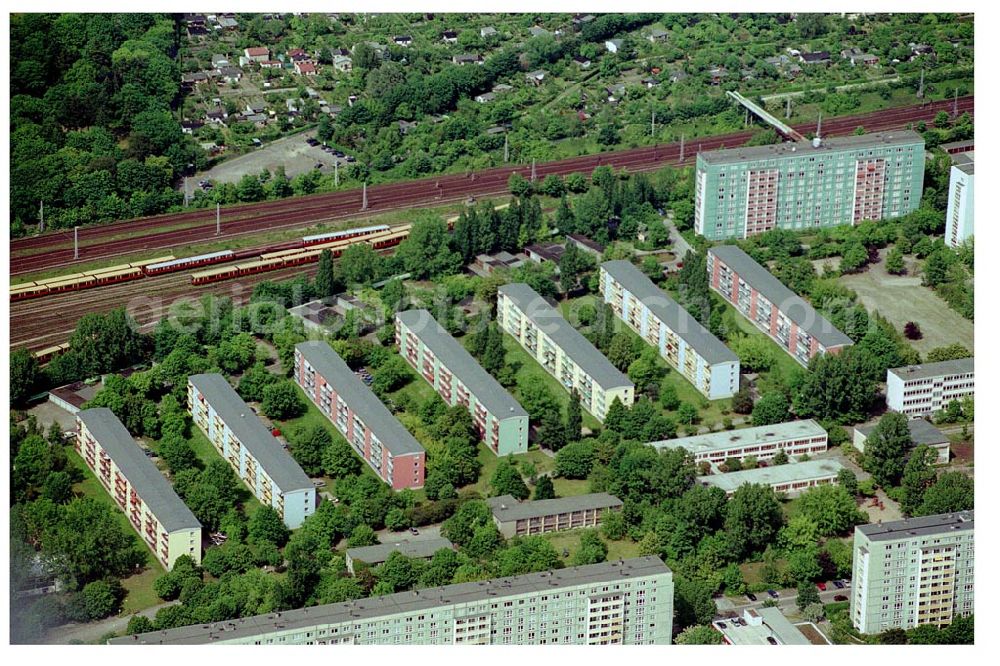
[[807, 594], [308, 447], [266, 525], [687, 413], [325, 281], [693, 603], [742, 401], [771, 408], [575, 460], [886, 448], [574, 417], [668, 397], [622, 351], [518, 185], [592, 549], [837, 387], [801, 532], [848, 480], [426, 252], [918, 476], [360, 264], [699, 635], [138, 624], [953, 491], [894, 262], [340, 461], [281, 401], [24, 375], [948, 353], [91, 543], [912, 331], [506, 480], [854, 257], [552, 430], [753, 518], [544, 489], [832, 508], [780, 458], [362, 535], [101, 598], [755, 352]]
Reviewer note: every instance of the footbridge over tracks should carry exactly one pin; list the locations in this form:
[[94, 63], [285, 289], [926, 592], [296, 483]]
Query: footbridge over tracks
[[766, 117]]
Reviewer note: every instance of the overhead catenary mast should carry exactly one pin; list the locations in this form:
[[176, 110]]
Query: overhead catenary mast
[[364, 196]]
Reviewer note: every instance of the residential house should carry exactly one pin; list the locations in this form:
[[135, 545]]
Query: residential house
[[658, 35], [217, 116], [192, 79], [191, 126], [343, 63], [271, 64], [258, 119], [650, 82], [815, 58], [613, 45], [615, 92], [229, 23], [305, 68], [219, 61], [856, 55], [292, 105], [449, 37], [231, 74], [256, 106], [257, 53], [466, 58], [579, 20], [678, 75], [488, 31], [920, 49], [402, 40], [502, 88]]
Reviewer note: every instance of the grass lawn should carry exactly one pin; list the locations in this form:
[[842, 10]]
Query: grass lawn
[[207, 454], [542, 463], [140, 592], [570, 487], [570, 541]]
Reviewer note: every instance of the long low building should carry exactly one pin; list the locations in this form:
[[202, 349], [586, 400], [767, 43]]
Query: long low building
[[423, 548], [372, 431], [561, 349], [161, 518], [772, 307], [514, 518], [686, 345], [457, 377], [923, 389], [259, 459], [790, 479], [795, 438], [921, 432], [623, 602], [761, 626]]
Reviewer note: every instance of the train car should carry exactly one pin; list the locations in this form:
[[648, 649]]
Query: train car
[[392, 239], [60, 278], [148, 262], [45, 355], [26, 290], [109, 269], [259, 266], [341, 235], [214, 274], [170, 265], [82, 282], [283, 253], [306, 257], [118, 276]]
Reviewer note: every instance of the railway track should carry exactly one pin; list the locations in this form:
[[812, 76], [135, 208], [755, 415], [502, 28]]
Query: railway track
[[101, 242]]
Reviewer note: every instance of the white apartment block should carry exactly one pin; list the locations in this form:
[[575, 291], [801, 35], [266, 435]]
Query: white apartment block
[[961, 200], [623, 602], [165, 524], [916, 390], [912, 572], [795, 438], [561, 349], [686, 345]]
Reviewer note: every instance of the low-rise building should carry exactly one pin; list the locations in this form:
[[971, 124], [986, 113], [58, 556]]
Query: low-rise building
[[587, 245], [305, 68], [772, 307], [795, 438], [488, 31], [514, 518], [658, 35], [441, 360], [561, 349], [257, 53], [917, 390], [343, 63], [790, 479], [760, 626], [912, 572], [258, 459], [368, 426], [686, 345], [921, 432], [613, 45], [421, 549], [165, 524], [623, 602]]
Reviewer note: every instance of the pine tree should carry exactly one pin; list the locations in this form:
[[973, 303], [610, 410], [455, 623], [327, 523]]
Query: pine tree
[[544, 489], [574, 417], [493, 358], [616, 416], [565, 219]]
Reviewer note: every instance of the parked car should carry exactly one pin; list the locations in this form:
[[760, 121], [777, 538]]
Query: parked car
[[414, 530], [751, 597], [846, 582], [338, 153], [839, 597], [312, 142], [318, 165], [821, 586], [772, 594], [771, 640], [838, 584], [351, 158], [721, 625]]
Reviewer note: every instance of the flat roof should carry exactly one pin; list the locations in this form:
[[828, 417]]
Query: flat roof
[[942, 523], [411, 548], [958, 366], [774, 624], [242, 420], [359, 397], [921, 432], [548, 320], [731, 439], [460, 363], [791, 304], [805, 148], [773, 475], [507, 508], [670, 312], [402, 602], [140, 471]]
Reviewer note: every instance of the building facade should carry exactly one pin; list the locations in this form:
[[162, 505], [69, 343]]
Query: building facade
[[790, 479], [164, 523], [371, 430], [771, 306], [917, 390], [624, 602], [259, 459], [795, 438], [457, 377], [686, 345], [514, 518], [912, 572], [959, 219], [561, 349], [741, 192]]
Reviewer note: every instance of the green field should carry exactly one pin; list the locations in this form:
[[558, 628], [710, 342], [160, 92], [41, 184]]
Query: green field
[[570, 540]]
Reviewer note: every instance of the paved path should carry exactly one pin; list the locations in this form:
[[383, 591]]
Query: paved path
[[846, 86], [92, 631]]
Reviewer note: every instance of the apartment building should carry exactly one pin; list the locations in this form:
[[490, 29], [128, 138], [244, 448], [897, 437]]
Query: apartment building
[[372, 431], [921, 432], [514, 518], [795, 438], [440, 359], [959, 219], [561, 349], [259, 459], [686, 345], [740, 192], [624, 602], [912, 572], [163, 521], [421, 549], [790, 479], [917, 390], [772, 307]]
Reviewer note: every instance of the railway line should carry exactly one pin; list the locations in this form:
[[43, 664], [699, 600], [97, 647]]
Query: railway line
[[106, 242]]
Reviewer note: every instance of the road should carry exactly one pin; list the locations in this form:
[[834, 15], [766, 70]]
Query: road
[[734, 606], [92, 631]]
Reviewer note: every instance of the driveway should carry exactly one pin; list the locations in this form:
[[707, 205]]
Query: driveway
[[92, 631]]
